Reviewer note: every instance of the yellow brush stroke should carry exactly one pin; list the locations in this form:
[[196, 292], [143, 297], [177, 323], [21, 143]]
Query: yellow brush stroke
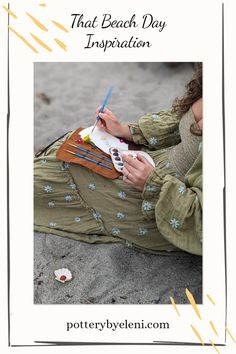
[[174, 305], [9, 11], [43, 5], [230, 334], [211, 300], [39, 24], [23, 39], [192, 302], [213, 327], [44, 45], [60, 43], [60, 26], [214, 346], [197, 334]]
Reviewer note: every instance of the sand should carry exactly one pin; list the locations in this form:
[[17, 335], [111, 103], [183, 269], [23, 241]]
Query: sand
[[66, 96]]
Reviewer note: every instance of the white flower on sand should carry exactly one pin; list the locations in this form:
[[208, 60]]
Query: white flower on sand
[[175, 223], [63, 275], [120, 215], [153, 140], [68, 198], [121, 195], [92, 186], [51, 204], [48, 189], [115, 231], [146, 205], [182, 189]]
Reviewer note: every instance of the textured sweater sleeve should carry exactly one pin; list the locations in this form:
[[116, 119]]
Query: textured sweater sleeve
[[177, 207], [156, 130]]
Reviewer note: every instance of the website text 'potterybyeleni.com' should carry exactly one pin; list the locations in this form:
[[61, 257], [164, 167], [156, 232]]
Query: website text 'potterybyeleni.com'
[[107, 324]]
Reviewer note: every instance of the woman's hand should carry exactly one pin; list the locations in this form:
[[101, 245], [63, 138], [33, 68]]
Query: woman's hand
[[111, 124], [136, 171]]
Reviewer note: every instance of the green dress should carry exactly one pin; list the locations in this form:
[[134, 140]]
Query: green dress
[[72, 201]]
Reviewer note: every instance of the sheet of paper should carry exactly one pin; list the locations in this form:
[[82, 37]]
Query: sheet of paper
[[104, 140]]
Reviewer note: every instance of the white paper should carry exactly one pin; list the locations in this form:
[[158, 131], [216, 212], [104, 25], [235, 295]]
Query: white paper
[[103, 140]]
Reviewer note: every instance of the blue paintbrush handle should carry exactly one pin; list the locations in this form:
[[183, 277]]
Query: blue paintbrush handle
[[103, 105], [90, 153], [91, 160]]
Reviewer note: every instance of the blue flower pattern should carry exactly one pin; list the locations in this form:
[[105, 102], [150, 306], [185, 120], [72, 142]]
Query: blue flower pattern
[[52, 224], [153, 140], [77, 219], [72, 185], [115, 231], [48, 189], [151, 188], [97, 215], [175, 223], [146, 205], [92, 186], [122, 195], [68, 198], [142, 231], [120, 215], [51, 204], [182, 189]]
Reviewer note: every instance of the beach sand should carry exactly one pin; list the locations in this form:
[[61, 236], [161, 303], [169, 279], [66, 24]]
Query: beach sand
[[66, 96]]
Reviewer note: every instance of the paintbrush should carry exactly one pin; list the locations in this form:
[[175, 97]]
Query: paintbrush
[[90, 160], [90, 153], [102, 108]]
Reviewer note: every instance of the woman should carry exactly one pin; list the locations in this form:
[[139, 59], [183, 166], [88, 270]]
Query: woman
[[154, 209]]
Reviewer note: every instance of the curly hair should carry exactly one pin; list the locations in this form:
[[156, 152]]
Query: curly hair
[[192, 94]]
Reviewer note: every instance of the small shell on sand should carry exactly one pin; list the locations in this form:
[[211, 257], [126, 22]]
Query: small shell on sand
[[63, 275]]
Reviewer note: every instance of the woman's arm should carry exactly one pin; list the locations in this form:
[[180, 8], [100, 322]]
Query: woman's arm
[[175, 204], [154, 130]]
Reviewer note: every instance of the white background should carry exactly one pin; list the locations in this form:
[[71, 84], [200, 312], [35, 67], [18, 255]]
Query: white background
[[193, 33]]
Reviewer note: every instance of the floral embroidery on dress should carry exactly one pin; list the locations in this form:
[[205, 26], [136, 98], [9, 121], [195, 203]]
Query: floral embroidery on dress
[[128, 243], [51, 204], [142, 231], [97, 215], [146, 205], [48, 189], [72, 185], [175, 223], [151, 188], [155, 116], [77, 219], [168, 165], [120, 215], [115, 231], [153, 140], [182, 189], [121, 195], [92, 186], [52, 224], [66, 165], [68, 198]]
